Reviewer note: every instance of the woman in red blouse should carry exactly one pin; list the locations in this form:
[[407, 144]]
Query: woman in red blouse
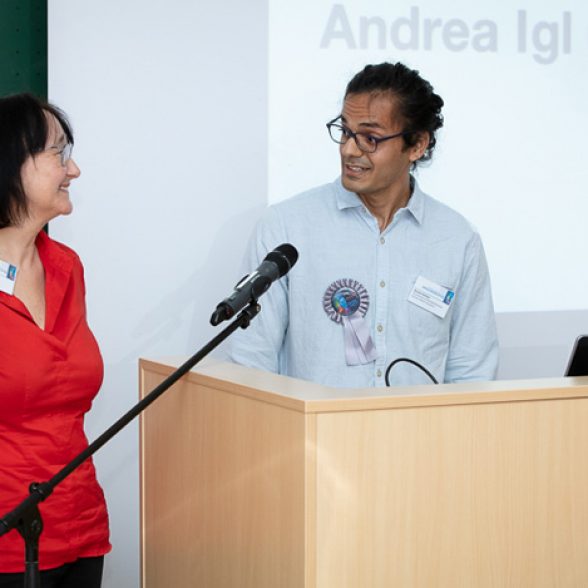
[[50, 364]]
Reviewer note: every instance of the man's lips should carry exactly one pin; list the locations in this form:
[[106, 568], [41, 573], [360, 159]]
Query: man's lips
[[354, 168]]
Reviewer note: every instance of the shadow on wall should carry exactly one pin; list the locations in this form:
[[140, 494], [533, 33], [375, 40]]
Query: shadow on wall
[[193, 301], [187, 307]]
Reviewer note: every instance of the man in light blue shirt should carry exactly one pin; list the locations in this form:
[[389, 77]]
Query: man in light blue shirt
[[384, 271]]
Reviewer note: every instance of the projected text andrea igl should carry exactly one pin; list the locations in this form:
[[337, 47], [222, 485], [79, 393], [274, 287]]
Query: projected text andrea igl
[[543, 40]]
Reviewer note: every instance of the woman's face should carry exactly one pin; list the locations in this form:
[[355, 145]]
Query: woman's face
[[45, 179]]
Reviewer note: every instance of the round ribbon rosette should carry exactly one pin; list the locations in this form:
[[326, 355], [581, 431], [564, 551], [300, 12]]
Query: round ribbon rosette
[[346, 302]]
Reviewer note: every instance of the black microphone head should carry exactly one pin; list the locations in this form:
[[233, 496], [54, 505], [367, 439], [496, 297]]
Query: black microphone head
[[284, 256]]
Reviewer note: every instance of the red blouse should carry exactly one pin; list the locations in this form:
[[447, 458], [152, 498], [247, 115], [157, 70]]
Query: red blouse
[[48, 379]]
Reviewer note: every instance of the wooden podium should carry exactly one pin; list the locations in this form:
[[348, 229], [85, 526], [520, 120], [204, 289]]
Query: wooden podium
[[253, 480]]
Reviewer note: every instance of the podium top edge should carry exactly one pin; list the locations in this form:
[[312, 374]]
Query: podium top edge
[[309, 397]]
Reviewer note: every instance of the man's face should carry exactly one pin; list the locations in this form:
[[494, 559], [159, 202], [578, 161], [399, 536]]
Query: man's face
[[386, 171]]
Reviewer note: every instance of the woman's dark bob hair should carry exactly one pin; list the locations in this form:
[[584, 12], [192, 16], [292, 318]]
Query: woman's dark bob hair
[[24, 131]]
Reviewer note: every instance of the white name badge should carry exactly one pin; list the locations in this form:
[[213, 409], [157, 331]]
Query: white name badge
[[432, 297], [7, 277]]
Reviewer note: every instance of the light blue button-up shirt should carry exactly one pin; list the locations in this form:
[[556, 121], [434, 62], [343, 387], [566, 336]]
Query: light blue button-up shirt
[[337, 237]]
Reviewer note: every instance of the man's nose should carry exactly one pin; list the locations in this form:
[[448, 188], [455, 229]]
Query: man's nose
[[350, 148]]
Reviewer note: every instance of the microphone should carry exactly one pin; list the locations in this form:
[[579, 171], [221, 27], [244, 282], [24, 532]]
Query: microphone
[[277, 263]]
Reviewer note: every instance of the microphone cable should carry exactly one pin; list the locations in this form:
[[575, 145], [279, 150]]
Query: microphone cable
[[411, 361]]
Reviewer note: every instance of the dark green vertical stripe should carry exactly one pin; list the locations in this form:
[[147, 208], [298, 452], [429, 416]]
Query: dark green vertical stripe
[[23, 47]]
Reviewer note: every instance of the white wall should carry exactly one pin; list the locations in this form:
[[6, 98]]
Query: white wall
[[169, 103]]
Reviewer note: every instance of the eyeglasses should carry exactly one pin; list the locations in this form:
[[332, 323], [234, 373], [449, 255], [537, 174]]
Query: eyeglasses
[[365, 142], [63, 152]]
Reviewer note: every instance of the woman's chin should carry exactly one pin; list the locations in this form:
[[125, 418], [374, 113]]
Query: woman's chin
[[66, 208]]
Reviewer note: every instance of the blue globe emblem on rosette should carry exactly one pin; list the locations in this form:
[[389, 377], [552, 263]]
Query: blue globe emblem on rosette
[[345, 301], [344, 298]]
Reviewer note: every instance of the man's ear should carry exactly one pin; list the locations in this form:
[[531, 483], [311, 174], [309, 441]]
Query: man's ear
[[419, 148]]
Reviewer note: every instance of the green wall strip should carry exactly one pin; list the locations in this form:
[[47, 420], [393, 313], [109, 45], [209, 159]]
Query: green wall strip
[[23, 47]]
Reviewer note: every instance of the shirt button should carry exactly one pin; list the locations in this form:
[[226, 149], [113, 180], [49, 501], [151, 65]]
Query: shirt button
[[379, 373], [380, 328], [382, 284], [382, 240]]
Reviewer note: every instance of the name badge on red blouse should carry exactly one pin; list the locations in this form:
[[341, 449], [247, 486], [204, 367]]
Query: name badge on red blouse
[[7, 277]]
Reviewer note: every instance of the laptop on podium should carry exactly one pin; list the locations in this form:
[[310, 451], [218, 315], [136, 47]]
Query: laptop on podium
[[578, 362]]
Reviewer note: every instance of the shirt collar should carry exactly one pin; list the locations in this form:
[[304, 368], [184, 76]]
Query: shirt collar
[[345, 198], [415, 206], [416, 203], [53, 256], [58, 262]]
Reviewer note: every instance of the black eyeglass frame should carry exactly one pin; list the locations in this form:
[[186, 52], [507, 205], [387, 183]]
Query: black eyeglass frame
[[350, 134]]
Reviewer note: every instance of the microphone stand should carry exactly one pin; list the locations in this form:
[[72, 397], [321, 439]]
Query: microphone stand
[[26, 517]]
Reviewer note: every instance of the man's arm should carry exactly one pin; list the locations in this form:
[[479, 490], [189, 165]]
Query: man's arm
[[259, 345], [473, 346]]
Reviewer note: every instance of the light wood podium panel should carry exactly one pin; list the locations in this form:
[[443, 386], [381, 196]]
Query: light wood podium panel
[[253, 480]]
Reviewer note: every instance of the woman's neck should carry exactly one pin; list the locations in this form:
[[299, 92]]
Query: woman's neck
[[17, 245]]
